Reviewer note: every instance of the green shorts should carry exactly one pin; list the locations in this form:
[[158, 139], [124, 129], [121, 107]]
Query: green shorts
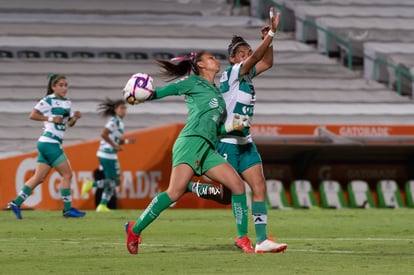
[[50, 153], [111, 168], [241, 157], [197, 153]]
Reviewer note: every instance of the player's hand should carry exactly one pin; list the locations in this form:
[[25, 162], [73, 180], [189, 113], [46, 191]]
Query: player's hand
[[274, 19], [132, 101], [238, 123], [118, 147], [77, 114], [265, 30], [129, 140]]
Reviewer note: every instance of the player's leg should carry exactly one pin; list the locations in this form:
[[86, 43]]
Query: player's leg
[[112, 174], [208, 191], [221, 194], [226, 175], [180, 176], [41, 171], [255, 179], [60, 162]]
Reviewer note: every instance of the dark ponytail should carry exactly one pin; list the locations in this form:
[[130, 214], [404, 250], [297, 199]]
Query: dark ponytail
[[186, 65], [53, 79], [108, 106], [236, 42]]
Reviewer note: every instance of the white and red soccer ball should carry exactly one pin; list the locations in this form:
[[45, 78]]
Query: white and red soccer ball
[[140, 87]]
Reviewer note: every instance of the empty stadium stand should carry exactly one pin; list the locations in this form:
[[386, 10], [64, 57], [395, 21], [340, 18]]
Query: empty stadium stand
[[378, 62], [346, 28], [99, 45]]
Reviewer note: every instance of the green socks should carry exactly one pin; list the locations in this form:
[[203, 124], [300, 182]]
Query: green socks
[[153, 210], [239, 207], [259, 212], [108, 192], [67, 198], [23, 195]]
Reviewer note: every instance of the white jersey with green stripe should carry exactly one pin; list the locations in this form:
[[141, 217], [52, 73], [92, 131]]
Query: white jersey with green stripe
[[238, 92], [115, 125], [54, 106]]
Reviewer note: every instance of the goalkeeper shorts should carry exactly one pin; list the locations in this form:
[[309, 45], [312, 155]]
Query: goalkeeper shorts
[[197, 153]]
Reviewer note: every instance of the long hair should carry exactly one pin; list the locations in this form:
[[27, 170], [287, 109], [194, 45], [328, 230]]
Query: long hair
[[186, 65], [108, 106], [53, 79], [236, 42]]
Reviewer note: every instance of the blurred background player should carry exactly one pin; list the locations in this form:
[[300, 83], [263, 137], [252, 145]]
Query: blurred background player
[[108, 150], [55, 111], [194, 150], [238, 146]]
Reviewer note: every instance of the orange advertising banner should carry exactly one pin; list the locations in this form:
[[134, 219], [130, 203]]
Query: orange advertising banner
[[145, 166], [341, 130]]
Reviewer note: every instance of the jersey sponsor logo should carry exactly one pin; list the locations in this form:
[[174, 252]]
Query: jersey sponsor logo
[[213, 103]]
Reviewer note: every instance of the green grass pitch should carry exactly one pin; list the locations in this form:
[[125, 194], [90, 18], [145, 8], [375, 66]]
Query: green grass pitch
[[374, 241]]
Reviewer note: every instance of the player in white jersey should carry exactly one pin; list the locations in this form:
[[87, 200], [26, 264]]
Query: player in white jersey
[[237, 146], [55, 112], [108, 150]]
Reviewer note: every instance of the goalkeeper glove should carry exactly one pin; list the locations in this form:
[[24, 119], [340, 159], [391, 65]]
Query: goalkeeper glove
[[238, 123]]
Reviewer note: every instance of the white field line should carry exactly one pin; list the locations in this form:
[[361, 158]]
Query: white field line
[[225, 239], [350, 239], [67, 240], [289, 249]]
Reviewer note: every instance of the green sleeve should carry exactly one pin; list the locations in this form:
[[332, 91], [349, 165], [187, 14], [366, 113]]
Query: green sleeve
[[179, 87], [165, 91]]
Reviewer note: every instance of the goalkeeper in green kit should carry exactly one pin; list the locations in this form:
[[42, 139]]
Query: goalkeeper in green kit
[[194, 151]]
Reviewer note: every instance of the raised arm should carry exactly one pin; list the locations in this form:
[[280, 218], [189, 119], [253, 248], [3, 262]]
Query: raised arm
[[262, 57]]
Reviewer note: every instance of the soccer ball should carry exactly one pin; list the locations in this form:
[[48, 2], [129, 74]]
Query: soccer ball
[[140, 87]]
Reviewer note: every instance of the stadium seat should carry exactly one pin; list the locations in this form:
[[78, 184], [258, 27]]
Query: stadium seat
[[359, 194], [276, 195], [331, 195], [302, 194], [6, 54], [136, 55], [110, 55], [56, 54], [82, 54], [162, 55], [409, 193], [388, 194], [28, 54]]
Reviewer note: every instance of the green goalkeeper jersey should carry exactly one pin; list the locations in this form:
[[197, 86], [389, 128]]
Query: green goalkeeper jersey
[[206, 106]]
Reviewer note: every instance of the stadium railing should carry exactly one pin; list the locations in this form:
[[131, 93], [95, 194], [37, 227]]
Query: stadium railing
[[400, 72], [328, 35]]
